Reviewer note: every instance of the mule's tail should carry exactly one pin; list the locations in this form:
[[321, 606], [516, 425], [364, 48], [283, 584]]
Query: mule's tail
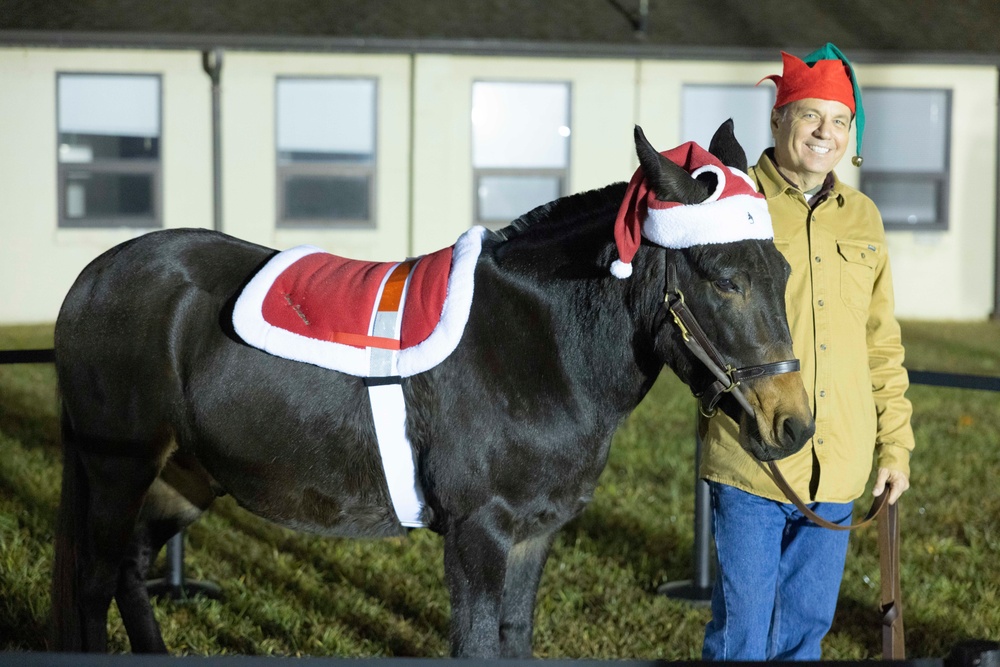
[[67, 629]]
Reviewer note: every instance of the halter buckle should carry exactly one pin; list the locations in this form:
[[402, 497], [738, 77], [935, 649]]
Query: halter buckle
[[677, 318], [733, 384]]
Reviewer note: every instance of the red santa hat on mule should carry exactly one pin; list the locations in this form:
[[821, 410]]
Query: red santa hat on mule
[[734, 211]]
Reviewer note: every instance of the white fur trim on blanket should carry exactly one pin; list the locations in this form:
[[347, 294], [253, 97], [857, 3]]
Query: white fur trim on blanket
[[251, 326], [455, 312]]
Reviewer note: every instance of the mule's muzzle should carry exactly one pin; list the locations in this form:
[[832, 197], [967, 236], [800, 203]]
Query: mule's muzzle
[[781, 423]]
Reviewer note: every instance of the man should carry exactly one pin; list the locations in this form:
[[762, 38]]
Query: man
[[778, 575]]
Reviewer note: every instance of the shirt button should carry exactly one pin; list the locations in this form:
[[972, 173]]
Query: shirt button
[[822, 394], [817, 258], [820, 302], [822, 346], [819, 441]]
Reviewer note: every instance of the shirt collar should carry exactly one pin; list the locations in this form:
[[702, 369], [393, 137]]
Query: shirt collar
[[772, 182]]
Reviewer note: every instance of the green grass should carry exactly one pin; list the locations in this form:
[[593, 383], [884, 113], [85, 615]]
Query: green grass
[[294, 594]]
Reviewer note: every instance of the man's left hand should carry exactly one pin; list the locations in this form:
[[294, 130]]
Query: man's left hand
[[896, 480]]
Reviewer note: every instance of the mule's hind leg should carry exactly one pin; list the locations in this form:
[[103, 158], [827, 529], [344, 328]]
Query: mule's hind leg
[[131, 594], [178, 497], [524, 570], [116, 487]]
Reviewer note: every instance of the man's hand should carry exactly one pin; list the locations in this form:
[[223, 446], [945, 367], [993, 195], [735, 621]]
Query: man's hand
[[897, 480]]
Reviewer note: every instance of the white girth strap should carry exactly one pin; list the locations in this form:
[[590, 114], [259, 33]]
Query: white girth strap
[[386, 395]]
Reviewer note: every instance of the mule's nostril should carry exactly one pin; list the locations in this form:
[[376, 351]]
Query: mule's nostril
[[789, 430], [794, 431]]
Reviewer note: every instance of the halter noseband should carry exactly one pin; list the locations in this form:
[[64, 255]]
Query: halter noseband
[[728, 378]]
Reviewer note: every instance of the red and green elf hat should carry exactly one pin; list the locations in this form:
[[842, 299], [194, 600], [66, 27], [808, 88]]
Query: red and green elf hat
[[826, 74]]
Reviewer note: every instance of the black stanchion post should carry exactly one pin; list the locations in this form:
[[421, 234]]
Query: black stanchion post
[[698, 590], [174, 586]]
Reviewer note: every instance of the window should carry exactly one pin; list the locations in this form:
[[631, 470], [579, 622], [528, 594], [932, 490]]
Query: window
[[108, 150], [325, 151], [520, 147], [706, 107], [905, 148]]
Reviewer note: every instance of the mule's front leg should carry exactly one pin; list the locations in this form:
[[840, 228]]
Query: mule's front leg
[[525, 563], [475, 562]]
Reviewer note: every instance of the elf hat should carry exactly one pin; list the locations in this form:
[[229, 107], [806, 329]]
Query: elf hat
[[734, 211], [826, 74]]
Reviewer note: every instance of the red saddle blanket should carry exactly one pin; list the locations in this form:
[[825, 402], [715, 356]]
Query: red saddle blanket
[[312, 306]]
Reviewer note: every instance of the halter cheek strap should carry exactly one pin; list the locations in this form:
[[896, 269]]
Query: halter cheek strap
[[728, 378]]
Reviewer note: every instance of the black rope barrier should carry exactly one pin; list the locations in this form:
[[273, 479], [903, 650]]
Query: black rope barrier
[[955, 380], [27, 356]]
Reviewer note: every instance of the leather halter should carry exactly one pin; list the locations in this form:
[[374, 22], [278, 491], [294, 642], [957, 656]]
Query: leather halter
[[727, 377]]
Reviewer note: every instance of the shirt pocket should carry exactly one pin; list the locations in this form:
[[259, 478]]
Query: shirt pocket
[[858, 260]]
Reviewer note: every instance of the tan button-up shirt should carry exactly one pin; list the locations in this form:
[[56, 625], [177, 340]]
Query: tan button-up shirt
[[840, 309]]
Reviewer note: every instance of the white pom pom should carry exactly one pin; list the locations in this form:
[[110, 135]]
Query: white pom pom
[[620, 269]]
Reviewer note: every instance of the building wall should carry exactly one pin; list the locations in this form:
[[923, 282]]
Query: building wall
[[39, 261], [951, 274], [424, 196]]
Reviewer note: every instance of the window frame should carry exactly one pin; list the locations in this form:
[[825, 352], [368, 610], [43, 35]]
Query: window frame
[[942, 179], [368, 170], [478, 173], [121, 166]]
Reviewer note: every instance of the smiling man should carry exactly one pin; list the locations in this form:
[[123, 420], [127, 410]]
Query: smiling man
[[777, 574]]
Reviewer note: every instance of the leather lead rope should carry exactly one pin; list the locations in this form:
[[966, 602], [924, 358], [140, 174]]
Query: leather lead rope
[[893, 641], [878, 504]]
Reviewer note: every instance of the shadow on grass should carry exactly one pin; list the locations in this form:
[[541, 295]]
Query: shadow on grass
[[21, 631], [655, 553], [380, 591]]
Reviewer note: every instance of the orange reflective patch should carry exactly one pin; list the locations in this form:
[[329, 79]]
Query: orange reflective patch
[[393, 292]]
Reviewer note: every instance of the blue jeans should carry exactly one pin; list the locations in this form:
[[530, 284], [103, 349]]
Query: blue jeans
[[777, 577]]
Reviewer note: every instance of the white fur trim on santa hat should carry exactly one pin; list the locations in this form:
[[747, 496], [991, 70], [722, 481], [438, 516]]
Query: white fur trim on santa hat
[[736, 218], [745, 176], [620, 269], [720, 180]]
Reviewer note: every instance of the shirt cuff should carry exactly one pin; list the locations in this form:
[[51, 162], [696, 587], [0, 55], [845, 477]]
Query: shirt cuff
[[893, 457]]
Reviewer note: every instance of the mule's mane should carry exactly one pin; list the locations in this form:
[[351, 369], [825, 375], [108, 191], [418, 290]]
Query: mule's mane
[[568, 211]]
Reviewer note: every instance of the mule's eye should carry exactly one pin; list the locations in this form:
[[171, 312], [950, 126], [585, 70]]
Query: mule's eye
[[726, 285]]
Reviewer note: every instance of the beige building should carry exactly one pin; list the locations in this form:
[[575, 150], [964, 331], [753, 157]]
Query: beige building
[[387, 147]]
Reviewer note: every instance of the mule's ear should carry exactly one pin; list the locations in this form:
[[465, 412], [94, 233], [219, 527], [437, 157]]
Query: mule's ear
[[725, 147], [668, 181]]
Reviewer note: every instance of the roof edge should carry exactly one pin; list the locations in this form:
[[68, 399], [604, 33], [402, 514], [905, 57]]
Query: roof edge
[[471, 47]]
